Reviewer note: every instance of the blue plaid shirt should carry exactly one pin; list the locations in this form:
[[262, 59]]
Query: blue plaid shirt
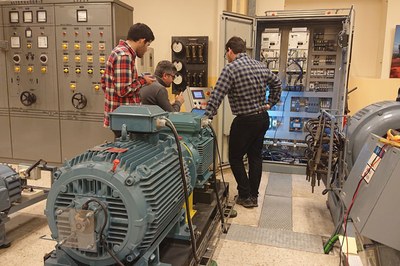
[[245, 81]]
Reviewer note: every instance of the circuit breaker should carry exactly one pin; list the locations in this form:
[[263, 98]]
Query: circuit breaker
[[310, 52], [55, 55]]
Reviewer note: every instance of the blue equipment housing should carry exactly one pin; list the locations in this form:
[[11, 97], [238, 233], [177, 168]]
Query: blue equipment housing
[[123, 198]]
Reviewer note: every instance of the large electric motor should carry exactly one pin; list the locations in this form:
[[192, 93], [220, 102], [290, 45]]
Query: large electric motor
[[10, 187], [376, 118], [120, 199]]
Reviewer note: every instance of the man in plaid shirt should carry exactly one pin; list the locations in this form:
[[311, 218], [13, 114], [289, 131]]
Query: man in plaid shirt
[[245, 81], [120, 81]]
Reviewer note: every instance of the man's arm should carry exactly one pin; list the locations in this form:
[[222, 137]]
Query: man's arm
[[275, 88], [163, 101], [222, 86]]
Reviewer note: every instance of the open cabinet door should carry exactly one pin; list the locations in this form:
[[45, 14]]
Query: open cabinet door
[[244, 27]]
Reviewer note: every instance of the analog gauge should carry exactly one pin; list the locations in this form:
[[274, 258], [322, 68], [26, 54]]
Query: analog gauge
[[14, 17], [28, 17], [177, 47], [178, 65], [42, 42], [178, 79], [28, 33], [41, 16], [81, 15]]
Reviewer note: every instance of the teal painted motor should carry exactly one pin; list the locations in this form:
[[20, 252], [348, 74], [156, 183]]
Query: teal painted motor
[[118, 201]]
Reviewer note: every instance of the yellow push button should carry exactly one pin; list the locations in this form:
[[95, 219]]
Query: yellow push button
[[29, 45], [78, 71], [78, 58], [90, 71], [89, 46], [65, 46], [72, 86], [102, 71], [89, 59], [102, 59], [66, 70], [77, 46], [43, 69], [30, 69], [96, 87], [17, 69], [65, 58]]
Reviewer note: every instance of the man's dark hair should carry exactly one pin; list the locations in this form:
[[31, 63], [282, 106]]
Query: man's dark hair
[[236, 44], [166, 67], [140, 31]]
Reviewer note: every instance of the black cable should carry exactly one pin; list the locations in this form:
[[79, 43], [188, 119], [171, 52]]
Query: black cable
[[102, 240], [215, 181], [185, 190]]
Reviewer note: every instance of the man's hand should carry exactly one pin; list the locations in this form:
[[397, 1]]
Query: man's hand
[[179, 98], [149, 79]]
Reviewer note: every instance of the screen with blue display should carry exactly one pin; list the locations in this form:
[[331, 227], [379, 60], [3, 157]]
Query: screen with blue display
[[198, 111], [198, 94]]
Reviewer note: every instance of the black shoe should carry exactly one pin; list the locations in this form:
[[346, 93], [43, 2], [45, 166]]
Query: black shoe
[[245, 202], [254, 201]]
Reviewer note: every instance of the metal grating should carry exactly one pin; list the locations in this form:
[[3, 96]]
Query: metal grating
[[279, 185], [276, 238], [277, 213]]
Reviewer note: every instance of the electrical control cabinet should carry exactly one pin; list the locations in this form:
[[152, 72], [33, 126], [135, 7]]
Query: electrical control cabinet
[[309, 51], [5, 131], [56, 53]]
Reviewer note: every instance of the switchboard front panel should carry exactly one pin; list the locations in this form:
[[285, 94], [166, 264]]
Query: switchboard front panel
[[56, 54], [5, 131]]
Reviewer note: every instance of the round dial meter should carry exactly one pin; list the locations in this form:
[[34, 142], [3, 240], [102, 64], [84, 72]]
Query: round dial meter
[[178, 65], [177, 47], [178, 79]]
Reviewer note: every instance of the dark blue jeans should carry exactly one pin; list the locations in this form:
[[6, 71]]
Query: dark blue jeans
[[246, 137]]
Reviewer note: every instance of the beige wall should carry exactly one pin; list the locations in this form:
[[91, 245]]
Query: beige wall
[[180, 18]]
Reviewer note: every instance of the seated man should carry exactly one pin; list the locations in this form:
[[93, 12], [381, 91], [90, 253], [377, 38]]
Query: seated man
[[156, 93]]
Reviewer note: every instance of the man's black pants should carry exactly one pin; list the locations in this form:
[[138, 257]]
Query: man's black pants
[[246, 137]]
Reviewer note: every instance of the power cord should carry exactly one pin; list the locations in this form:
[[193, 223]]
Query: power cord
[[185, 189]]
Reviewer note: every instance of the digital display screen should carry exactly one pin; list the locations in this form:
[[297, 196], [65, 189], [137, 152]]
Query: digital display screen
[[198, 111], [198, 94]]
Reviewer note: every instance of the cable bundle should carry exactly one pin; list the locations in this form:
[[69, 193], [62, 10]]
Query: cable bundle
[[317, 151]]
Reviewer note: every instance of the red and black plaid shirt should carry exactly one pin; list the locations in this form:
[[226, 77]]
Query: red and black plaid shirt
[[120, 81]]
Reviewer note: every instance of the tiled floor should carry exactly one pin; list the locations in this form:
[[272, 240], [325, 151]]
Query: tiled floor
[[310, 218]]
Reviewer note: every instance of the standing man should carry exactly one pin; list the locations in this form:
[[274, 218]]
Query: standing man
[[245, 80], [157, 94], [120, 81]]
